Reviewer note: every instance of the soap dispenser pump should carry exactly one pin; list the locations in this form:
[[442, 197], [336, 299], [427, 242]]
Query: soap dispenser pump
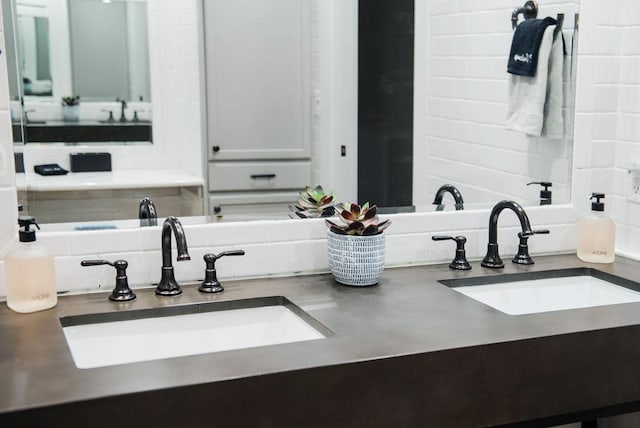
[[596, 234], [545, 193], [30, 272]]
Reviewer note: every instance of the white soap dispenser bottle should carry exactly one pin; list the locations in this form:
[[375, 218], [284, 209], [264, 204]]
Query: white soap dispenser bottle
[[30, 272], [596, 234]]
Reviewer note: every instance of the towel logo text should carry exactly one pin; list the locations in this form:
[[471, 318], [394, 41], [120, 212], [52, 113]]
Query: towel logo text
[[526, 58]]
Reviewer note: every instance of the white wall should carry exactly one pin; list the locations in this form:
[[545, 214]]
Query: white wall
[[334, 98], [293, 247], [608, 117]]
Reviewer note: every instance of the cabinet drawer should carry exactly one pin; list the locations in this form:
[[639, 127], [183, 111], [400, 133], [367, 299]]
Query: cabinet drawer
[[227, 176], [251, 205]]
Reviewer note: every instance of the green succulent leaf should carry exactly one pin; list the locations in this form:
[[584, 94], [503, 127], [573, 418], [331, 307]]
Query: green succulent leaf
[[313, 202]]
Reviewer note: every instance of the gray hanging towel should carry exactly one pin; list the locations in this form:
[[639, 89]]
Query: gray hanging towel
[[523, 58]]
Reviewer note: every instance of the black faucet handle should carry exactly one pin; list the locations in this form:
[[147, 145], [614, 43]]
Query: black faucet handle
[[122, 292], [459, 262], [231, 253], [111, 118], [211, 283], [530, 233], [523, 257]]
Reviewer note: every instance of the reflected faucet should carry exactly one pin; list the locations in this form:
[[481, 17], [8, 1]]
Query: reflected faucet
[[492, 259], [147, 213], [457, 197], [123, 106], [168, 285]]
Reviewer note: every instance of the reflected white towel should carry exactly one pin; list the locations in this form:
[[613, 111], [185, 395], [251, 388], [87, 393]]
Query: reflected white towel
[[529, 106], [553, 122]]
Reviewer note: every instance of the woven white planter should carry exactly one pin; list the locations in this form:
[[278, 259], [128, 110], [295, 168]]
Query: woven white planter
[[356, 260], [71, 113]]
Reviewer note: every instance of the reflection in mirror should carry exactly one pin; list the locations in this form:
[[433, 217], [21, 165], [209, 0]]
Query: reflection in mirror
[[90, 49], [33, 43], [258, 81], [469, 145]]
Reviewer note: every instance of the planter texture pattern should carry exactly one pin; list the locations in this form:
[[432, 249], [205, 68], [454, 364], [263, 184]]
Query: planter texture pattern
[[356, 260]]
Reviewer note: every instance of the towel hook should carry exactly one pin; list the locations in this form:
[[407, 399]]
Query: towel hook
[[529, 10]]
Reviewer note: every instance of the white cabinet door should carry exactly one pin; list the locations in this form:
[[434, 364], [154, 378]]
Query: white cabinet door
[[258, 79]]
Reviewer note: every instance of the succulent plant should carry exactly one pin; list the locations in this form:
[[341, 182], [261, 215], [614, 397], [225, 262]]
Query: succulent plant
[[71, 100], [313, 202], [357, 220]]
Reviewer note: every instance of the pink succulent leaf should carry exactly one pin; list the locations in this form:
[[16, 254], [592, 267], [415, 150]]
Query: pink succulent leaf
[[347, 216], [372, 221], [371, 213], [383, 225], [331, 224], [371, 230], [338, 231], [327, 199], [356, 225], [355, 210]]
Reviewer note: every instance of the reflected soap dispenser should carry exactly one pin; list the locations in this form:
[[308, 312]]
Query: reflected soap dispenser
[[596, 234], [30, 272]]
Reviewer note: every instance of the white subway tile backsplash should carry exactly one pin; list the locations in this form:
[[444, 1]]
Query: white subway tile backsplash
[[104, 241], [605, 98], [608, 40], [630, 37], [277, 258], [4, 79], [311, 256], [71, 276], [629, 70], [603, 154], [3, 280], [7, 166]]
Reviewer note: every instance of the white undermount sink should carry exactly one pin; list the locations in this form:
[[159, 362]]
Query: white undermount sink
[[535, 292], [113, 338]]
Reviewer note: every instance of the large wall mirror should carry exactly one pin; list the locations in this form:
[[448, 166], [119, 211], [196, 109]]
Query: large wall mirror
[[459, 89]]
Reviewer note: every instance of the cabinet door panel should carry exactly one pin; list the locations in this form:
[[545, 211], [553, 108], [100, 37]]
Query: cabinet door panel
[[258, 79]]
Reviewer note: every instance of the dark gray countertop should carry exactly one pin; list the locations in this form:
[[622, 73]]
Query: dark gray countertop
[[409, 351]]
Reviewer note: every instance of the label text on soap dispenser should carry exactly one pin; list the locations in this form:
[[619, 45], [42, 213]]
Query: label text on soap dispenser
[[39, 297], [599, 253]]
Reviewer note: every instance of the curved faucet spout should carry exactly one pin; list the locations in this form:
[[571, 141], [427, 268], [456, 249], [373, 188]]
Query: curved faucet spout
[[168, 286], [495, 213], [492, 259], [453, 190]]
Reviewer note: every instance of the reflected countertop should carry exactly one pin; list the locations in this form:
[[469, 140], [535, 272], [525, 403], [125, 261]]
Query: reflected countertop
[[117, 179], [407, 352]]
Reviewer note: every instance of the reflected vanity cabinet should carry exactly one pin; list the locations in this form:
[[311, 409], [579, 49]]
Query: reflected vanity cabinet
[[258, 83]]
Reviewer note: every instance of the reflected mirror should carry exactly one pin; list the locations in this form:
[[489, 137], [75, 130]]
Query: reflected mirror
[[83, 70], [260, 98], [33, 43]]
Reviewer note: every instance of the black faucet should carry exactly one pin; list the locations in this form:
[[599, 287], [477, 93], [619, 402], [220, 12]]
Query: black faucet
[[123, 106], [457, 197], [147, 213], [492, 259], [168, 285]]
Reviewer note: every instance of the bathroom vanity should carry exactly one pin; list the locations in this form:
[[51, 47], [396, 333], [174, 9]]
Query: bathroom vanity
[[408, 352]]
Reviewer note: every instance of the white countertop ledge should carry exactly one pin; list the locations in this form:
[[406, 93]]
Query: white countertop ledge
[[119, 179]]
